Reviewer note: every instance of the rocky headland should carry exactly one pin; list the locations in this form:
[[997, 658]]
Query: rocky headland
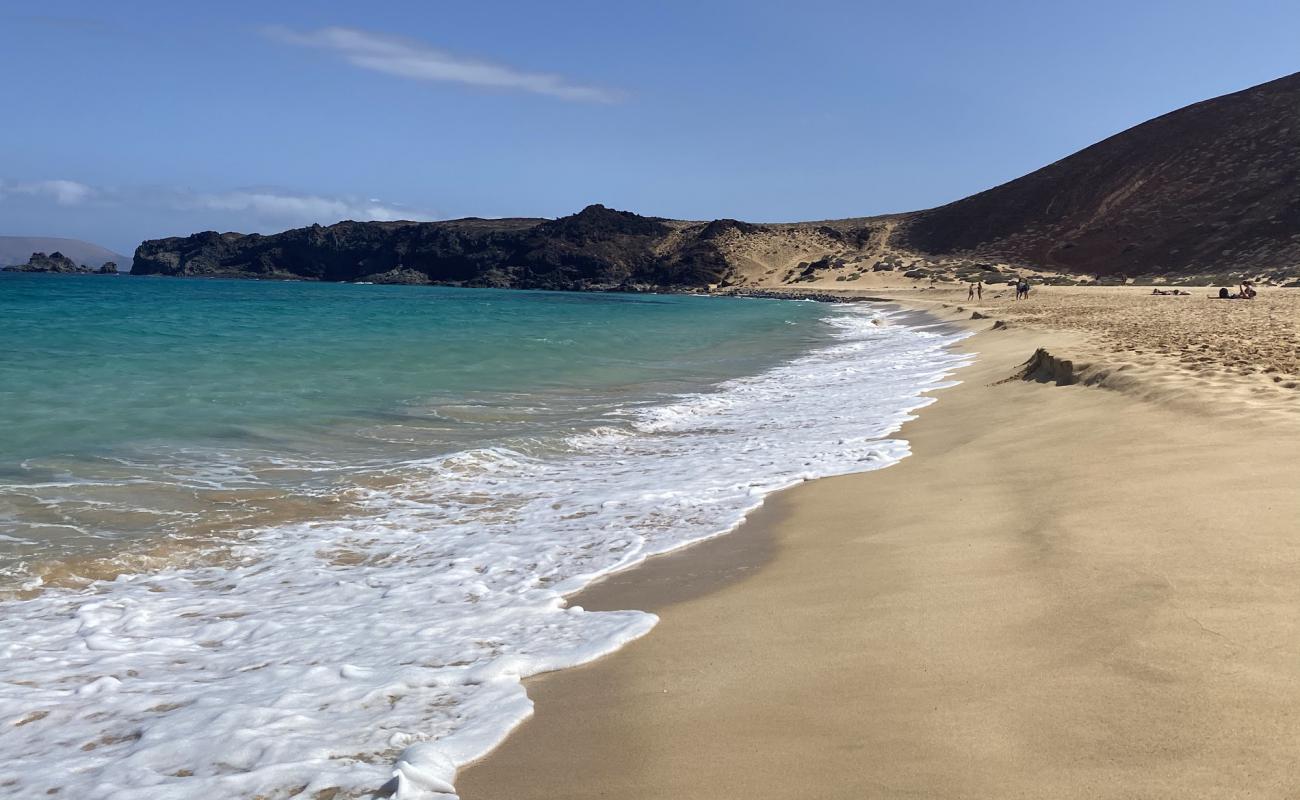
[[596, 248]]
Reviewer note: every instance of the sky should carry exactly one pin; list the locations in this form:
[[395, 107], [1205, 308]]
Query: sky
[[134, 120]]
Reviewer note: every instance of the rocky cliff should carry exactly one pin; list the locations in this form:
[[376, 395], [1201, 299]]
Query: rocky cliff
[[596, 248]]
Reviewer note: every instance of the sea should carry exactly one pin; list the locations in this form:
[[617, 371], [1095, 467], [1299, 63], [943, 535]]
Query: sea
[[271, 539]]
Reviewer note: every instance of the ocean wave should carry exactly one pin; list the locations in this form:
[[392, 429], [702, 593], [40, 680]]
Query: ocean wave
[[387, 648]]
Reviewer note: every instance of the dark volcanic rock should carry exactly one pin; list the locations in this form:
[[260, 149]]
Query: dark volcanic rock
[[16, 249], [1216, 183], [449, 252], [401, 275], [720, 227], [54, 262], [595, 248]]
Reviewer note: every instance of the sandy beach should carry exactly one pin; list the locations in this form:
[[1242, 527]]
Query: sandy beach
[[1067, 591]]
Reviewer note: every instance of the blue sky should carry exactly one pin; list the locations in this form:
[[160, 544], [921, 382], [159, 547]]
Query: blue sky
[[125, 121]]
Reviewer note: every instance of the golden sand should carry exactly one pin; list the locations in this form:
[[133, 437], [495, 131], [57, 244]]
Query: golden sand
[[1070, 591], [1255, 338]]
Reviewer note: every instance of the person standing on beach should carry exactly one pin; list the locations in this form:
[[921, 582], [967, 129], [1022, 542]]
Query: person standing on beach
[[1022, 289]]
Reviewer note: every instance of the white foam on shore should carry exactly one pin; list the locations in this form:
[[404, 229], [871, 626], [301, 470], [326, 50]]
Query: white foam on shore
[[390, 649]]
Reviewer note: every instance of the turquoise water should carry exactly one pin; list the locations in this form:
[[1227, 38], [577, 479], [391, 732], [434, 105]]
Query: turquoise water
[[136, 406], [342, 523]]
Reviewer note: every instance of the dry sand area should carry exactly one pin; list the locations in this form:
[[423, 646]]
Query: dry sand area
[[1083, 591], [1227, 357], [1255, 338]]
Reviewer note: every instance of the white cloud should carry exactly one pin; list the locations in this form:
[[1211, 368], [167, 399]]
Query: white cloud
[[63, 192], [410, 59], [262, 207], [278, 205]]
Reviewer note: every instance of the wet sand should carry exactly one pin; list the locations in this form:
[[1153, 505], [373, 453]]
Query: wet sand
[[1068, 591]]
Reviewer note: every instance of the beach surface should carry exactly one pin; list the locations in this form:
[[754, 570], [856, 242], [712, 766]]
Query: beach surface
[[1083, 590]]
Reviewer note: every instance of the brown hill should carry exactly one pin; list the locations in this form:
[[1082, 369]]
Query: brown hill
[[1212, 187]]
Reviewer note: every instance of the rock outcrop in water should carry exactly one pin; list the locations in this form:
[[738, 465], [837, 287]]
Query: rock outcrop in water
[[15, 249], [54, 262], [1211, 188]]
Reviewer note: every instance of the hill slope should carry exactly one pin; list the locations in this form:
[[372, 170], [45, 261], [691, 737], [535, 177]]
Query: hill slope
[[17, 249], [1207, 188]]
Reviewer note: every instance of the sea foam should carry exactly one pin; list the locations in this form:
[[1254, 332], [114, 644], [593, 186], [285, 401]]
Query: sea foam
[[386, 650]]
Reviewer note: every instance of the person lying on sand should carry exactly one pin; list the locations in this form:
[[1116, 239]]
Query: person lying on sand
[[1245, 292], [1172, 292]]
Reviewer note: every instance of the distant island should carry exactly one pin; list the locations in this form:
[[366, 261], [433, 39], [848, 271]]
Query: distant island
[[1210, 190], [58, 262], [16, 249]]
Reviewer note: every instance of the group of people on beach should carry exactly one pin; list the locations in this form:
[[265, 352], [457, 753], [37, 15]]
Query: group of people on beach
[[1246, 291], [975, 291]]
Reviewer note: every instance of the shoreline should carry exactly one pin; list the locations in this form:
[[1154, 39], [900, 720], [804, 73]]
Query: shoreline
[[442, 670], [1015, 612]]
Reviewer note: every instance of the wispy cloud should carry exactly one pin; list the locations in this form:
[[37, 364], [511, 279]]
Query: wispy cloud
[[280, 205], [417, 61], [262, 207], [63, 192]]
